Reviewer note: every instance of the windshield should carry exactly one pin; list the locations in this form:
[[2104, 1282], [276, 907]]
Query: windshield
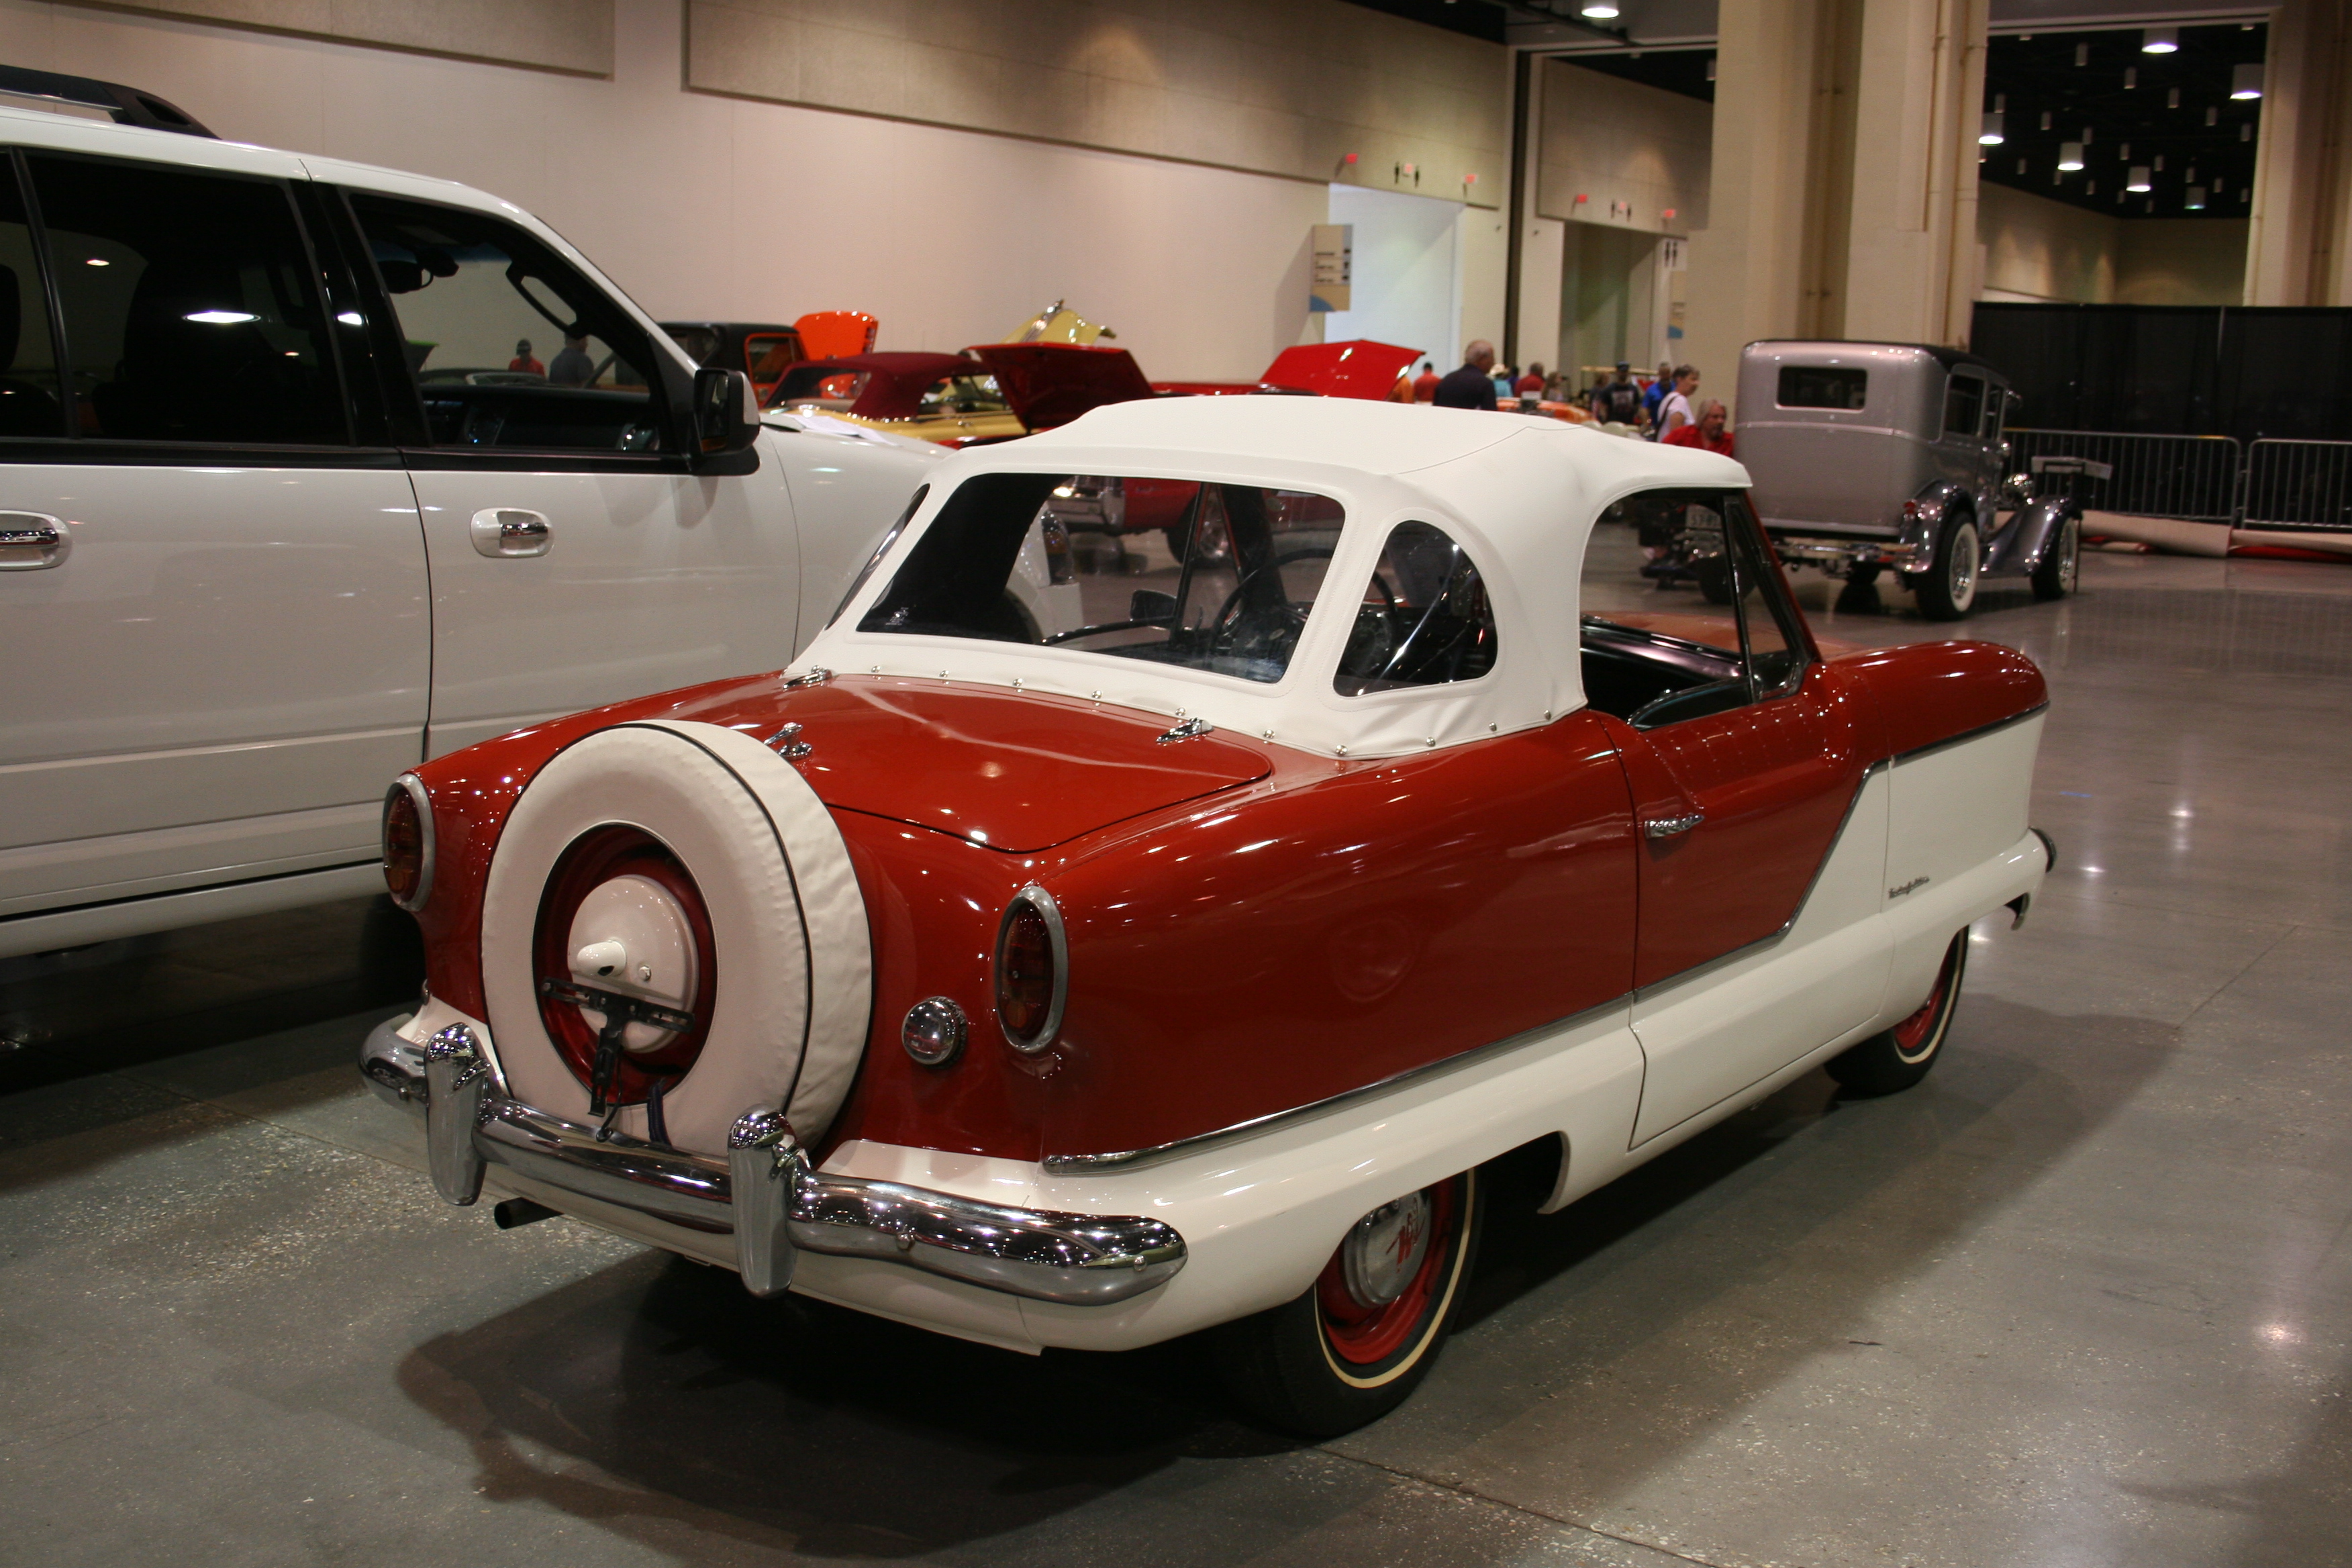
[[1208, 576]]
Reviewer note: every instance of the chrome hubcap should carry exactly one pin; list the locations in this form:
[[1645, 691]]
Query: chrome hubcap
[[630, 935], [1964, 566], [1385, 1250]]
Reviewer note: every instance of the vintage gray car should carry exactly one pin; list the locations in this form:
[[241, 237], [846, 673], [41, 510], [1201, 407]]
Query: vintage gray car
[[1890, 455]]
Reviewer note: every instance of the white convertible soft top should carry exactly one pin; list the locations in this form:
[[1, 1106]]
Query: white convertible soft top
[[1518, 494]]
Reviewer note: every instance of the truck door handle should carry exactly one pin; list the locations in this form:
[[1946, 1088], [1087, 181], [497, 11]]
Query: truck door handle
[[1671, 827], [510, 531], [33, 541]]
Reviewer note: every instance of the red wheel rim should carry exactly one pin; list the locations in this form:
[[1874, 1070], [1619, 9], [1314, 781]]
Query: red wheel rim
[[1915, 1036], [1366, 1337], [595, 858]]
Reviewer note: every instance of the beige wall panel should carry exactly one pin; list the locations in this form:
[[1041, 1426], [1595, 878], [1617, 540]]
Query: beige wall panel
[[1613, 139], [708, 206], [2181, 261], [1279, 90], [574, 36], [1485, 252], [2040, 249]]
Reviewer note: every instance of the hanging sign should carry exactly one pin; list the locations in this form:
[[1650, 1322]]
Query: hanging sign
[[1335, 266]]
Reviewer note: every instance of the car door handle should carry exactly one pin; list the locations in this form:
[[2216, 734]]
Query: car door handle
[[1671, 827], [33, 541], [510, 531]]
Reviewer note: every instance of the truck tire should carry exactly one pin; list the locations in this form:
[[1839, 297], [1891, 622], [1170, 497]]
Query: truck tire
[[1947, 589]]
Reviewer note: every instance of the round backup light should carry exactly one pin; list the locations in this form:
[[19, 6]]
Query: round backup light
[[408, 843], [1032, 970], [934, 1031]]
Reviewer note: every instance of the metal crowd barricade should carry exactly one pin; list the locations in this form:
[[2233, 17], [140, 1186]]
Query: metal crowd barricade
[[2195, 477], [2299, 484]]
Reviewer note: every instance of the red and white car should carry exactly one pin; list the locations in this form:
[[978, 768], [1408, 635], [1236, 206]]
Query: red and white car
[[1181, 971]]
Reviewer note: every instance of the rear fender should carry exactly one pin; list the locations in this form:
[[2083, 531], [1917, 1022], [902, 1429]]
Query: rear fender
[[2030, 535]]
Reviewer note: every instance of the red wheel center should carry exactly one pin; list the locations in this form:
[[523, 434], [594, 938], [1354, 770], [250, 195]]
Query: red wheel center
[[1364, 1336]]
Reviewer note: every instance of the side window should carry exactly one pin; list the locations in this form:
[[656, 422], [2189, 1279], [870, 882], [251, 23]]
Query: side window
[[1963, 402], [765, 355], [191, 305], [30, 401], [510, 346], [1682, 616], [1424, 620], [1996, 398]]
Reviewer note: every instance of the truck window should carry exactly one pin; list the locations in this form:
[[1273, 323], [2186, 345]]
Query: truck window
[[1824, 386], [1963, 402]]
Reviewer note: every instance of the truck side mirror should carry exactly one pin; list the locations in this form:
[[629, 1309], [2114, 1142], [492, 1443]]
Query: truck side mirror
[[726, 412]]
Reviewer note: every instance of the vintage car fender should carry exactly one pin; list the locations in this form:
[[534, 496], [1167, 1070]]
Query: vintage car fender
[[2035, 526], [1923, 518]]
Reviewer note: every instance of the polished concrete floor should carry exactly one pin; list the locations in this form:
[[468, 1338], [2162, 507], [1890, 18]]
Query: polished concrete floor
[[2082, 1297]]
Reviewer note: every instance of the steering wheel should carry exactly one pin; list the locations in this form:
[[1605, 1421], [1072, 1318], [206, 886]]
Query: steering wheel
[[1227, 622]]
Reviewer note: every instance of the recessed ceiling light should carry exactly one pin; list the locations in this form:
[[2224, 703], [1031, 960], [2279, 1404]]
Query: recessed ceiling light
[[2138, 181], [2070, 156], [2159, 40], [97, 261], [1600, 10], [2195, 200], [1988, 129], [2246, 80]]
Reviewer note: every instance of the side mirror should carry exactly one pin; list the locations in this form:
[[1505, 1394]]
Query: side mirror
[[726, 412], [1152, 606]]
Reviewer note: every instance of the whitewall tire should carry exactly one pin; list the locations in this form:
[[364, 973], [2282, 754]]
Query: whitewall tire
[[787, 989]]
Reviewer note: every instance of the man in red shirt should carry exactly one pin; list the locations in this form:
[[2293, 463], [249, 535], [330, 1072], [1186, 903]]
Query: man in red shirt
[[1425, 385], [523, 362], [1532, 383], [1709, 435]]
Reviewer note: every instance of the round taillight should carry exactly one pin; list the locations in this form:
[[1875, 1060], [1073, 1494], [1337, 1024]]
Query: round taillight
[[408, 843], [1032, 971]]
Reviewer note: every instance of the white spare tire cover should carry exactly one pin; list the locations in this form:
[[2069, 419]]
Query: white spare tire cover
[[794, 959]]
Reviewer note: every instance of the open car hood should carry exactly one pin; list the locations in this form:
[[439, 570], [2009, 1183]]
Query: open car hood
[[1052, 384], [1016, 771], [1356, 368]]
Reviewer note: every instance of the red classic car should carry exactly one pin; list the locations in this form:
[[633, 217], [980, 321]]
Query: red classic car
[[1185, 970]]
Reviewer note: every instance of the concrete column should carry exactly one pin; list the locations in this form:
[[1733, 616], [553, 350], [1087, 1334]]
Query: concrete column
[[1913, 264], [2296, 243], [1770, 260]]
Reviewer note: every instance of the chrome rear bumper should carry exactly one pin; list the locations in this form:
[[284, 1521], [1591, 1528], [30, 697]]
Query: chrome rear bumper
[[765, 1194]]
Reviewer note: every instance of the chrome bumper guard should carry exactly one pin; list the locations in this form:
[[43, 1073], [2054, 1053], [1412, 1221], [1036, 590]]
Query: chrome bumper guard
[[765, 1193]]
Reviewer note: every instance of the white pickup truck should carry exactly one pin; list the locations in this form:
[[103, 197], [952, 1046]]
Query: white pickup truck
[[309, 471]]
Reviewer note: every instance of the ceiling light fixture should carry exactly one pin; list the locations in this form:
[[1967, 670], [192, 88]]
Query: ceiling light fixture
[[1988, 129], [2020, 165], [2138, 181], [2156, 162], [2082, 54], [2070, 156], [2131, 78], [2159, 40], [2172, 98], [2246, 80], [2196, 200], [2212, 115], [2045, 119], [2246, 131], [1599, 10], [1710, 67]]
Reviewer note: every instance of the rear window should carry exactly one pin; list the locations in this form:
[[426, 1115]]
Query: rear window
[[1215, 577], [1824, 386]]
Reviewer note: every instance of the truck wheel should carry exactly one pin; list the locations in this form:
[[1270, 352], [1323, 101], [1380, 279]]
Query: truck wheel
[[1948, 589], [1896, 1059], [2053, 577], [1362, 1338]]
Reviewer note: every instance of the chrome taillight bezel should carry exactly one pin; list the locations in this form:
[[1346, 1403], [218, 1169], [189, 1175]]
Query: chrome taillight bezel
[[412, 786], [1057, 944]]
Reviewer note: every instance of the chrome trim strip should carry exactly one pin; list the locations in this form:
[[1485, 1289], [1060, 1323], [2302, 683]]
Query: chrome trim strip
[[1129, 1159], [1981, 730], [1043, 1254]]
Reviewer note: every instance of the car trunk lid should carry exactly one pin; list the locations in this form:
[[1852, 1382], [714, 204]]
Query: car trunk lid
[[1015, 771]]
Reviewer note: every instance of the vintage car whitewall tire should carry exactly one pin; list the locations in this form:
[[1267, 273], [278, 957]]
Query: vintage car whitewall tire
[[1324, 1363], [2055, 574], [1947, 589], [788, 1013], [1894, 1060]]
